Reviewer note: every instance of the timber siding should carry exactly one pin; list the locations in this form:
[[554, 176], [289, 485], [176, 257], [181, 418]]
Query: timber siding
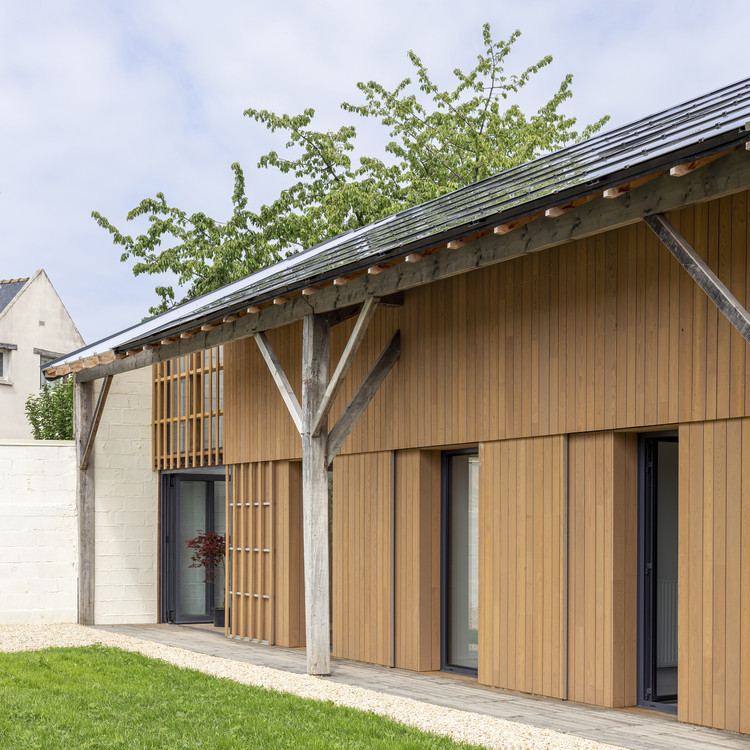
[[600, 334], [551, 364]]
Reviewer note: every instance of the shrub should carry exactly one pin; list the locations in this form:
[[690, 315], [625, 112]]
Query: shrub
[[50, 412]]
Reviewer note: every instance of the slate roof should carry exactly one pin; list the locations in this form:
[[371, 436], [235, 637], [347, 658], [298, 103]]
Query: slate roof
[[9, 288], [700, 127]]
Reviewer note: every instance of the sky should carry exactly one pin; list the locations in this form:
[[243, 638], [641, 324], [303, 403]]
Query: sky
[[103, 104]]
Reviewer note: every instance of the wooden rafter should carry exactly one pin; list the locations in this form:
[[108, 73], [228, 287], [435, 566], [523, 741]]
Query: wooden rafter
[[626, 187], [556, 211], [344, 363], [280, 378], [363, 396], [706, 279], [680, 170], [515, 224]]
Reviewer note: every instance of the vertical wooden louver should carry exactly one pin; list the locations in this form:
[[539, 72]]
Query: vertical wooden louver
[[251, 595], [188, 411]]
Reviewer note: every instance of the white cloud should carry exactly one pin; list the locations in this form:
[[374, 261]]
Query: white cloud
[[106, 103]]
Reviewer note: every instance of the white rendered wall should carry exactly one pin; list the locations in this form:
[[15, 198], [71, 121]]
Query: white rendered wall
[[35, 319], [127, 505], [38, 533]]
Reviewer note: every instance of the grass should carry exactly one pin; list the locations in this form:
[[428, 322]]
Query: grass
[[98, 697]]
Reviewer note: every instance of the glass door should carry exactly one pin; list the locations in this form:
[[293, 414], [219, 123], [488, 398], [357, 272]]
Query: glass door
[[460, 600], [193, 505], [658, 572]]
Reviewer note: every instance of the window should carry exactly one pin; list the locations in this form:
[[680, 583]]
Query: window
[[5, 361], [460, 627], [45, 358]]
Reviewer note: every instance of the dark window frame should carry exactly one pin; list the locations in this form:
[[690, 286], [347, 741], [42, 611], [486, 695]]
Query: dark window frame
[[170, 596], [644, 651], [445, 484]]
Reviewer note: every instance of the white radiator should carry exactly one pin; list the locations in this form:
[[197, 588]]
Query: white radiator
[[666, 623]]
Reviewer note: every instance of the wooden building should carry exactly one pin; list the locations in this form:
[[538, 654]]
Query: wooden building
[[537, 426]]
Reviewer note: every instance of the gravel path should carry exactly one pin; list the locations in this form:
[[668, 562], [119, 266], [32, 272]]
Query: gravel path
[[461, 725]]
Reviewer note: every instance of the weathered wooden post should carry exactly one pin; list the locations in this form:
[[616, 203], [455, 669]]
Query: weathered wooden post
[[84, 410], [315, 367]]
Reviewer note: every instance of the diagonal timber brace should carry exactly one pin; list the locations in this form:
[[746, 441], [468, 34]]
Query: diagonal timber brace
[[94, 427], [363, 396], [345, 362], [280, 378], [706, 279]]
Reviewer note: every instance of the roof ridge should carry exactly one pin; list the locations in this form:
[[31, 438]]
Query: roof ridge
[[14, 281]]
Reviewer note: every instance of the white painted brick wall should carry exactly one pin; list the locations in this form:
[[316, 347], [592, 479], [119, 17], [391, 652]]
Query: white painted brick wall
[[38, 532], [127, 505]]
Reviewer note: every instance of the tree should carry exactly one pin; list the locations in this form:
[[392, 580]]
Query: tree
[[50, 411], [438, 141]]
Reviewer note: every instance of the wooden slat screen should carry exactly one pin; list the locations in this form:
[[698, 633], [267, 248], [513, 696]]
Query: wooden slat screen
[[188, 411], [251, 552]]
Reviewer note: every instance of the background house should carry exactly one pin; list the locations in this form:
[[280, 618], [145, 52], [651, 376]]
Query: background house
[[35, 328]]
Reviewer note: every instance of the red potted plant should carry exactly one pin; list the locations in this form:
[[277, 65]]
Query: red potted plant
[[209, 549]]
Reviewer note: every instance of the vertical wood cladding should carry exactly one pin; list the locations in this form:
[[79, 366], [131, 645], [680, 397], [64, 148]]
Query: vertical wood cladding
[[521, 572], [362, 563], [602, 572], [604, 333], [361, 570], [417, 575], [714, 574]]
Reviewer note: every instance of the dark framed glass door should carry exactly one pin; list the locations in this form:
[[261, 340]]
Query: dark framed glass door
[[191, 504], [460, 562], [658, 572]]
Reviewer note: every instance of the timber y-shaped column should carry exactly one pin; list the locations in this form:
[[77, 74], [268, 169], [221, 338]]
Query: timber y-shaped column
[[319, 449]]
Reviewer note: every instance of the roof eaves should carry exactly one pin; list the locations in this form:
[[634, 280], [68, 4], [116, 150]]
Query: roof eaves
[[521, 210]]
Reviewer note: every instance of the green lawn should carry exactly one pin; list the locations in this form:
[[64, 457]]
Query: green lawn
[[99, 697]]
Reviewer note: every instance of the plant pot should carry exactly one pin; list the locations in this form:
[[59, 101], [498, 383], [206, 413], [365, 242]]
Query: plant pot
[[218, 617]]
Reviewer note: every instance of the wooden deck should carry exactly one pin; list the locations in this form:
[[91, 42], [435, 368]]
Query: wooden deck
[[628, 728]]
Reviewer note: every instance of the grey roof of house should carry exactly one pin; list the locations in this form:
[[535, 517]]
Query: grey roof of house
[[703, 126], [8, 290]]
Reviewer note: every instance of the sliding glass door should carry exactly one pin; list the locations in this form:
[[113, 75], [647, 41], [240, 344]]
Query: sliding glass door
[[460, 631], [658, 572]]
